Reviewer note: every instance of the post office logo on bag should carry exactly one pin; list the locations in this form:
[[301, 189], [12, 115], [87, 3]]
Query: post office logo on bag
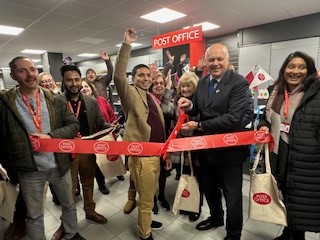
[[101, 147], [66, 146], [135, 148], [35, 144], [260, 136], [230, 139], [185, 193], [198, 142], [261, 198]]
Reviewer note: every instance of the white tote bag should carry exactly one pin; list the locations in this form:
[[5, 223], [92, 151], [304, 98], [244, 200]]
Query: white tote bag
[[265, 203], [110, 167], [187, 195]]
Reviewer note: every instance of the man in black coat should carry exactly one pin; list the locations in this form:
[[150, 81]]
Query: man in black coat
[[221, 99]]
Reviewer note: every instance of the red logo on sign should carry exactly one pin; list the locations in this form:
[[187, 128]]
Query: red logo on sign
[[261, 77], [230, 139], [135, 148], [260, 136], [101, 147], [185, 193], [261, 198], [66, 146], [35, 144], [198, 142]]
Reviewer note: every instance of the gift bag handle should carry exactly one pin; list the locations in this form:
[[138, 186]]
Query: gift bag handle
[[190, 162], [266, 158]]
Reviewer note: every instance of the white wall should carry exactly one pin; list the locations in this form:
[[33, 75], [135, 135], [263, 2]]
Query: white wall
[[271, 56]]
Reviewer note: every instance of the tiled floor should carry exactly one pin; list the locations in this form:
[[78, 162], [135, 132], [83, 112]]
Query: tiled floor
[[124, 227]]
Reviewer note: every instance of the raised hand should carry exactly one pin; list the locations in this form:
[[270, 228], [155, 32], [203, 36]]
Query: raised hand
[[183, 57], [104, 55], [170, 57], [168, 80], [130, 35]]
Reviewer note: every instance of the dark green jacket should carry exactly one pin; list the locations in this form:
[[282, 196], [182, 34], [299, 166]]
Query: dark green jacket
[[15, 148]]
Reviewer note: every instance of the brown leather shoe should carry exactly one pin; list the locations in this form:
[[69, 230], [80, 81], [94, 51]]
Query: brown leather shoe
[[16, 230], [59, 234], [96, 217]]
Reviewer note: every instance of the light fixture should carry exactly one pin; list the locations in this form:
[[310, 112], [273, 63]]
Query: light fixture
[[10, 30], [163, 15], [33, 51], [88, 55], [39, 66], [205, 26], [132, 44], [36, 60]]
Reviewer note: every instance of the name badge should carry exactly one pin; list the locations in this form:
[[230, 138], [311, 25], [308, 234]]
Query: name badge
[[285, 127]]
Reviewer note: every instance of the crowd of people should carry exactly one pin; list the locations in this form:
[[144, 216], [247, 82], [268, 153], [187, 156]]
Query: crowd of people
[[216, 98]]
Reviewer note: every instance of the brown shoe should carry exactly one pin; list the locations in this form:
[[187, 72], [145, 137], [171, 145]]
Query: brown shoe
[[131, 203], [59, 234], [16, 230], [96, 217]]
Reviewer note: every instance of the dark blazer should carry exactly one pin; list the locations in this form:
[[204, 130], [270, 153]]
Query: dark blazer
[[94, 117], [223, 113]]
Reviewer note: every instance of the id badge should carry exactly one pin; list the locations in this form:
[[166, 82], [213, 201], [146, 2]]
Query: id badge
[[284, 127]]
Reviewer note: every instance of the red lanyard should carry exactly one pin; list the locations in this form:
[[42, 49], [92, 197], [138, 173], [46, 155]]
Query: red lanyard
[[36, 115], [287, 104], [78, 108]]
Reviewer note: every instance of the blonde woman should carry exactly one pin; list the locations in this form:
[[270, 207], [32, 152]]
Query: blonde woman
[[46, 81], [186, 88]]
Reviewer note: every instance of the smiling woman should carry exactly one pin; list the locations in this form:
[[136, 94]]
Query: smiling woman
[[293, 117]]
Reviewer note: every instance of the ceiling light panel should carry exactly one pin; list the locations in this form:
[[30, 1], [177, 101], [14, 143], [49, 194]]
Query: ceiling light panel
[[33, 51], [10, 30], [163, 15]]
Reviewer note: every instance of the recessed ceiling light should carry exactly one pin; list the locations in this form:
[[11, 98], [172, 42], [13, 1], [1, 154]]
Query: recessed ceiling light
[[132, 44], [205, 26], [10, 30], [36, 60], [88, 55], [163, 15], [91, 40], [33, 51]]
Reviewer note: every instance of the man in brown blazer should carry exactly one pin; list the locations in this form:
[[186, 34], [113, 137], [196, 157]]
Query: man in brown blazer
[[145, 123]]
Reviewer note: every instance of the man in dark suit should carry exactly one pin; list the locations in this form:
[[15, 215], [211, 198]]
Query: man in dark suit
[[221, 99]]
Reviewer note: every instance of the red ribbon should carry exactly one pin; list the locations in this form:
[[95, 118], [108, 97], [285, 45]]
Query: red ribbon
[[149, 148], [181, 120]]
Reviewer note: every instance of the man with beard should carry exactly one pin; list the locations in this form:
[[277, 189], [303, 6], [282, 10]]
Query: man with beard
[[87, 112], [29, 110]]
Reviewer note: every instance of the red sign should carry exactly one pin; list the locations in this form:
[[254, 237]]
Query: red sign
[[179, 37]]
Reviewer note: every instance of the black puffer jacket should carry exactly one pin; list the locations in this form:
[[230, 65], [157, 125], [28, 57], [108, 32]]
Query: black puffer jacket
[[303, 166], [15, 148], [297, 166]]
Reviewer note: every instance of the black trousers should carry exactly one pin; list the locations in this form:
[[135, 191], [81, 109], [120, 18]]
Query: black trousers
[[227, 180]]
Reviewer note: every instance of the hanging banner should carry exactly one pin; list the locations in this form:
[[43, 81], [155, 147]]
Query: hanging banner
[[176, 38]]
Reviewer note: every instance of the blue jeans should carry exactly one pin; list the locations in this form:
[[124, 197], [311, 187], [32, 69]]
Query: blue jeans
[[32, 186]]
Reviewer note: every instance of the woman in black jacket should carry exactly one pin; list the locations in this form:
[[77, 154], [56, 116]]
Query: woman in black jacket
[[293, 117]]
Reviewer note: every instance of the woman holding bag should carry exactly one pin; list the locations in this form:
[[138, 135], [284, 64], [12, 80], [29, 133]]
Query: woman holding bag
[[292, 116]]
